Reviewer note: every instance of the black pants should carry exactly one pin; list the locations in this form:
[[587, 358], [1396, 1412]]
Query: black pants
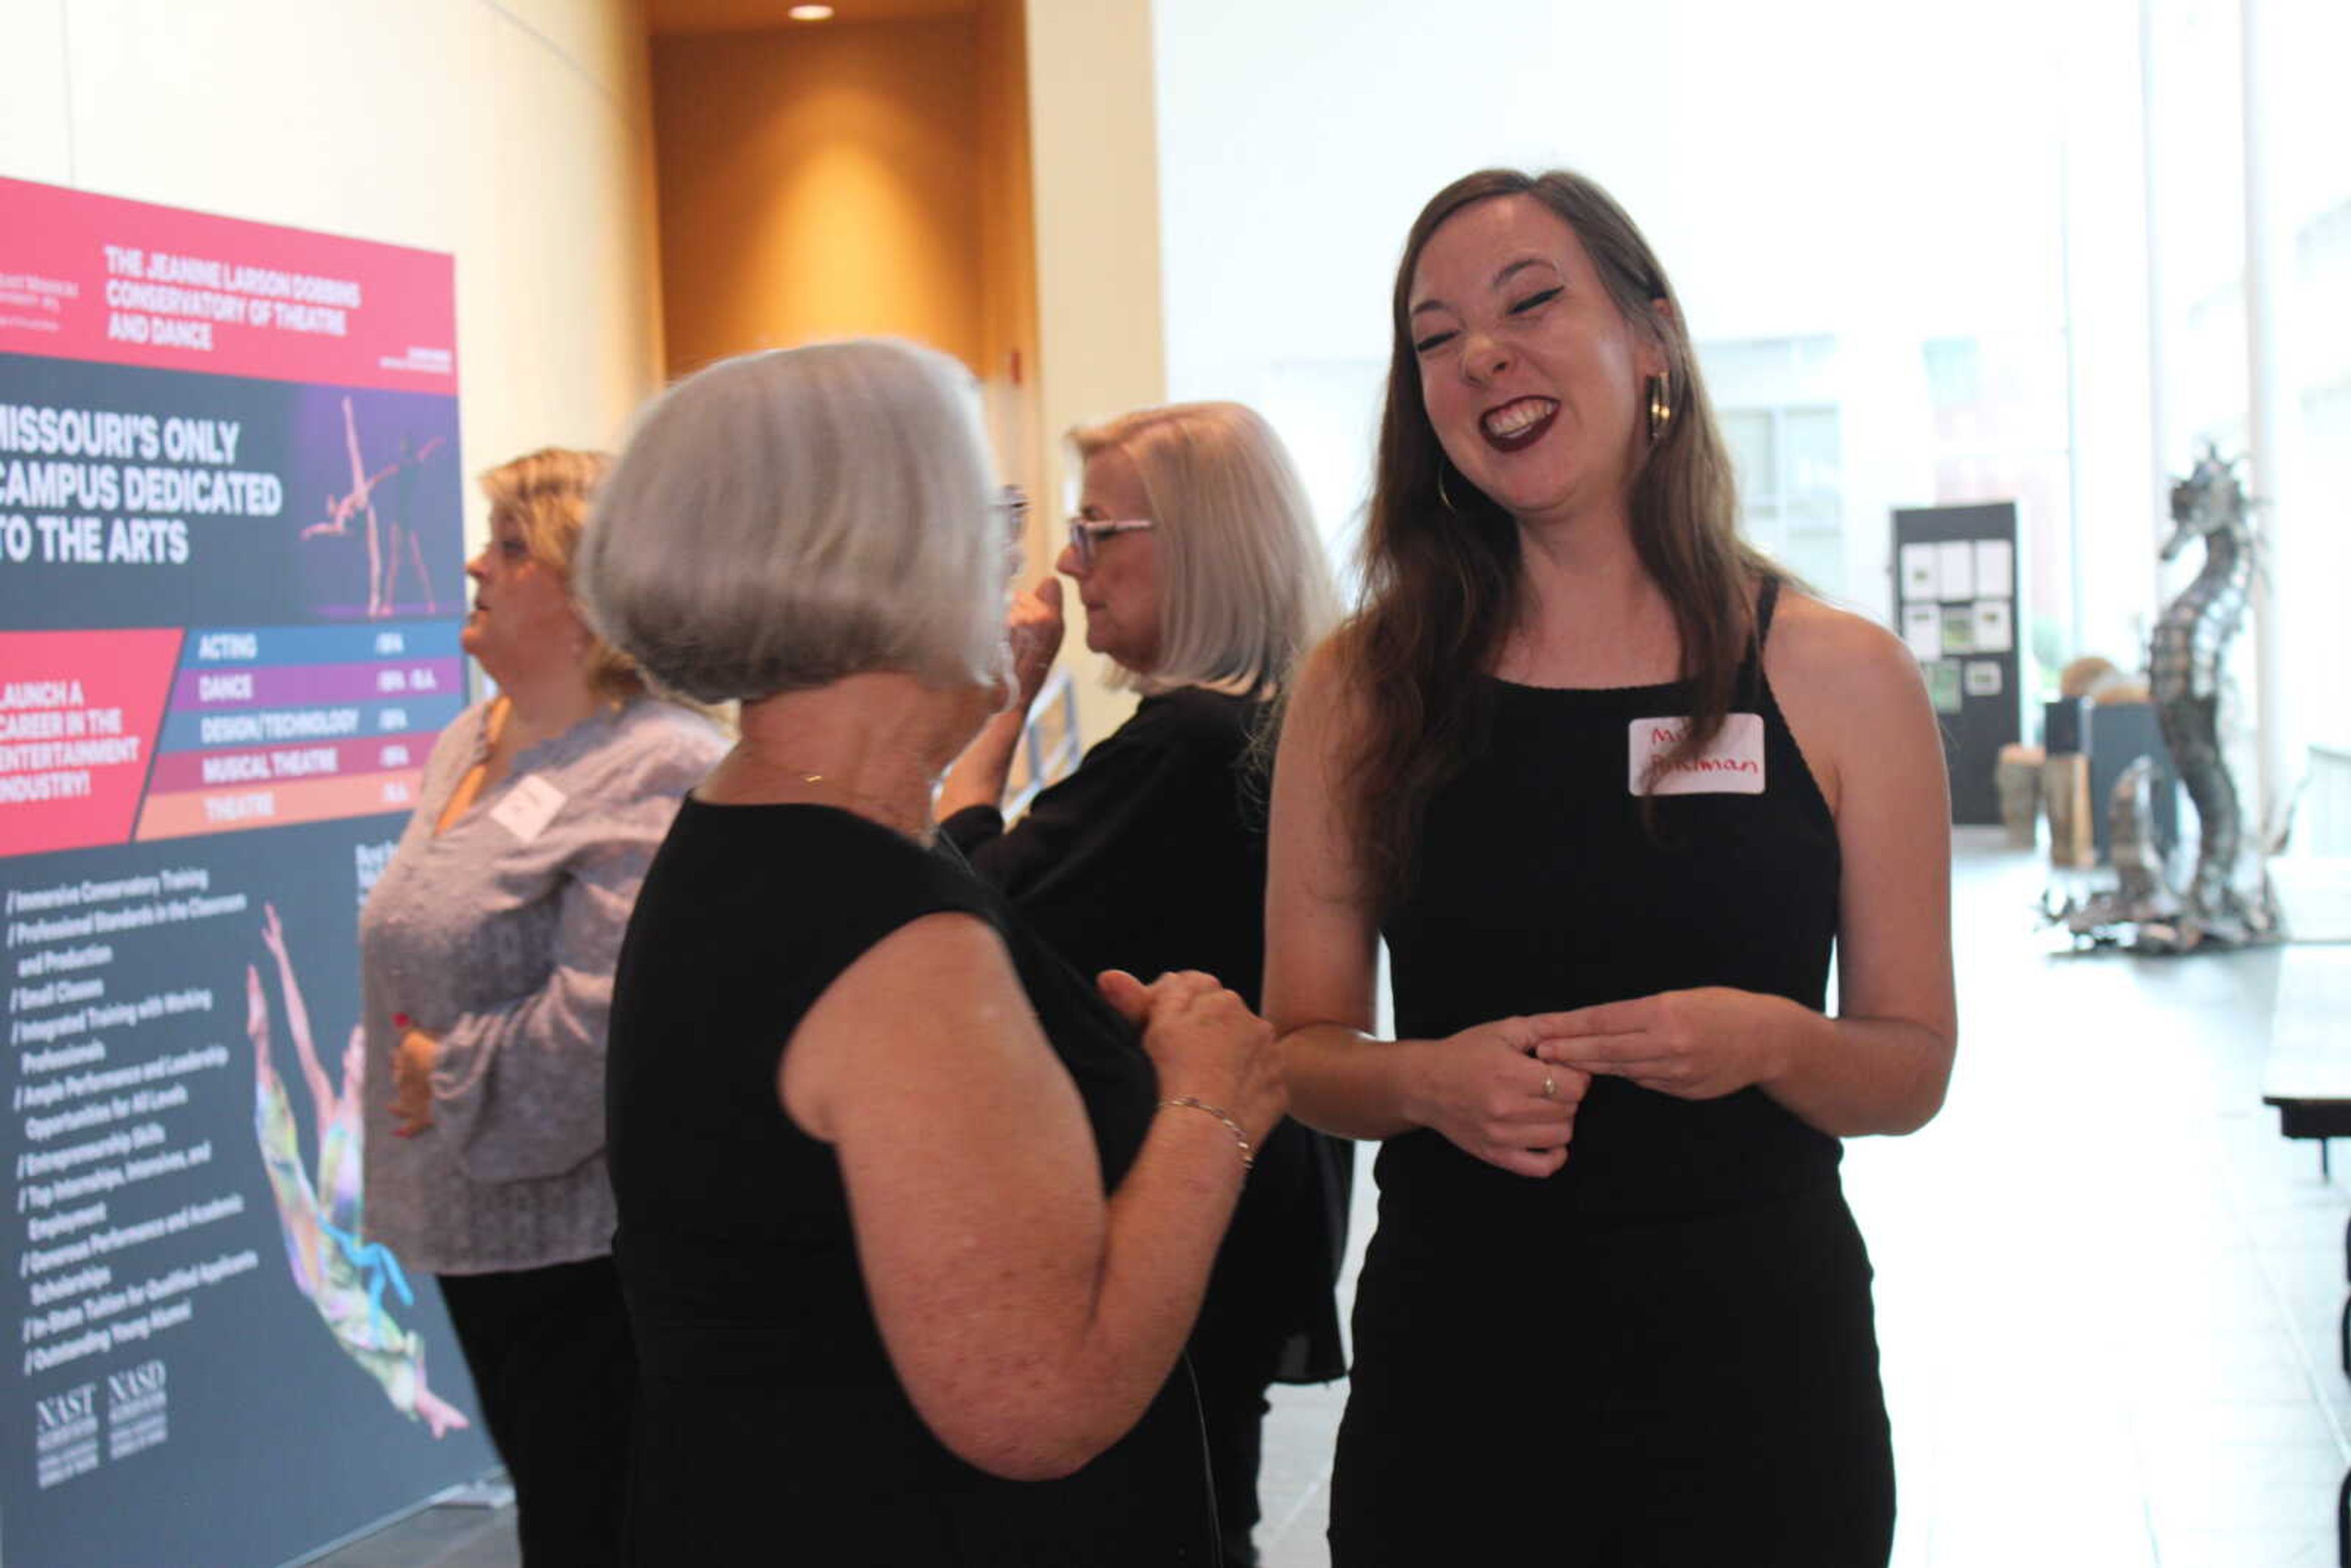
[[1272, 1279], [1232, 1411], [556, 1372]]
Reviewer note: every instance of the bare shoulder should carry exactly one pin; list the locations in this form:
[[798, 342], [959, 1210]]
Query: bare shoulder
[[1850, 690], [1327, 674], [1326, 692], [1819, 651]]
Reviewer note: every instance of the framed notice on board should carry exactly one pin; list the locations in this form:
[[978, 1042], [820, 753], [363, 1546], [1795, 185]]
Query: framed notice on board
[[230, 590], [1956, 607]]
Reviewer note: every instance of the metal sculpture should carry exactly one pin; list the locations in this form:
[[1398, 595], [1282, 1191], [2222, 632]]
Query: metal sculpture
[[2184, 661], [2185, 681], [2139, 885], [2140, 908]]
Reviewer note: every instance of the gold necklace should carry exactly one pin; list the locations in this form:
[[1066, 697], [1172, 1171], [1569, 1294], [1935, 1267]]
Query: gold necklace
[[885, 811]]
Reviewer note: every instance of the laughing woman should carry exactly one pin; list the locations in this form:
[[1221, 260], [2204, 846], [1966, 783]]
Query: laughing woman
[[1612, 789]]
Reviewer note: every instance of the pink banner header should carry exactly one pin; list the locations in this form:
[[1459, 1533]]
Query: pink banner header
[[95, 277]]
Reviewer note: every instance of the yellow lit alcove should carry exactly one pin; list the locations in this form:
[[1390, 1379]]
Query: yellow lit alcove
[[866, 173]]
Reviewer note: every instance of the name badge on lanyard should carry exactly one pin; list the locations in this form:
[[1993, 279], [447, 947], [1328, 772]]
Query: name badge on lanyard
[[1731, 764]]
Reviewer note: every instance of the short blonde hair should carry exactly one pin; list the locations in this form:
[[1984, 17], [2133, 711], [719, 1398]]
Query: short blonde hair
[[546, 495], [1244, 587], [783, 519]]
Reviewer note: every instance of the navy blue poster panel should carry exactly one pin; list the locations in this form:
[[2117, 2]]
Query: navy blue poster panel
[[230, 578]]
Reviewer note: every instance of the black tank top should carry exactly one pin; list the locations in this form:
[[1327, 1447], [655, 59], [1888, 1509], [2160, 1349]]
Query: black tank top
[[1541, 887]]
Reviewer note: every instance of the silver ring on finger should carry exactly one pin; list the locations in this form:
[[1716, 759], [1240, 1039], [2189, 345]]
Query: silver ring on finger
[[1550, 1086]]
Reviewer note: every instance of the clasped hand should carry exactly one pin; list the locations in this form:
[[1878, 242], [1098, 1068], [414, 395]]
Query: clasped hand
[[1694, 1045], [413, 1055], [1508, 1091], [1485, 1090], [1204, 1042]]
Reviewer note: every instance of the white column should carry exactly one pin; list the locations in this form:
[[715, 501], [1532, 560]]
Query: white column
[[2116, 467], [2158, 367], [2076, 566], [2270, 414]]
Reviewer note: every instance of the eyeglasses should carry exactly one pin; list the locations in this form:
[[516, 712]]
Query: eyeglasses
[[1085, 532]]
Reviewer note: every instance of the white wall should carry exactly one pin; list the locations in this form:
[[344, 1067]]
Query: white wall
[[1878, 174], [1098, 258], [512, 134]]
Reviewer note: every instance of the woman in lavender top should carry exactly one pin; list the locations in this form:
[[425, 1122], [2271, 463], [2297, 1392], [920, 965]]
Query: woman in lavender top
[[486, 950]]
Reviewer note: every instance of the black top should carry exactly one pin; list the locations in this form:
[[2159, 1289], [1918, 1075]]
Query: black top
[[1541, 887], [1151, 857], [1686, 1304], [771, 1423]]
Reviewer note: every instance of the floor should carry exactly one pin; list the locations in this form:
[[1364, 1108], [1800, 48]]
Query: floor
[[2107, 1290]]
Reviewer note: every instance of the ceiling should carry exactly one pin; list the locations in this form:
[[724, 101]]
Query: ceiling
[[740, 15]]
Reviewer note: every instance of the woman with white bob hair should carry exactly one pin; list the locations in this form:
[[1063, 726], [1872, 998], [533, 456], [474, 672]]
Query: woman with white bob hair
[[912, 1232], [1195, 555]]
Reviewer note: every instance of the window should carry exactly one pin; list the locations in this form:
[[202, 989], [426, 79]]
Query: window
[[1792, 488]]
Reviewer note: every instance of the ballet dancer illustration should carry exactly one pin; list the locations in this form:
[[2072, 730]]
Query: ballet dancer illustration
[[344, 1275], [384, 540]]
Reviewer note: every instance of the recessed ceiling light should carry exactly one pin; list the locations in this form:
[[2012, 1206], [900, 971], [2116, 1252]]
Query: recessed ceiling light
[[810, 12]]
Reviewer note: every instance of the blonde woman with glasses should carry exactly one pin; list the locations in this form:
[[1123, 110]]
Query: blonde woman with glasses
[[1195, 559]]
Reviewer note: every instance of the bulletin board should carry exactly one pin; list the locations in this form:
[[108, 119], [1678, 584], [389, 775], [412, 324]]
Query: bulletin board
[[1957, 607]]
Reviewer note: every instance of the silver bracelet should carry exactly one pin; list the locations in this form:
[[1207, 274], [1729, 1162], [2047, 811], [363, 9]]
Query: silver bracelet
[[1249, 1153]]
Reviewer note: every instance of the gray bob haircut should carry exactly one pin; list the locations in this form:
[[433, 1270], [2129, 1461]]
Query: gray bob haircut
[[1244, 587], [781, 520]]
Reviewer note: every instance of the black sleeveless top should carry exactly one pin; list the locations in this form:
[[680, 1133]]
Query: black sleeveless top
[[770, 1426], [1151, 857], [1540, 888]]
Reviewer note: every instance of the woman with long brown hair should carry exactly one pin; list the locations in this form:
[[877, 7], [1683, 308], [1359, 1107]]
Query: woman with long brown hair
[[1611, 787]]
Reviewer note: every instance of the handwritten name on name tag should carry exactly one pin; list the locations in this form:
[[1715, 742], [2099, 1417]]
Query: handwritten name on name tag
[[529, 807], [1733, 764]]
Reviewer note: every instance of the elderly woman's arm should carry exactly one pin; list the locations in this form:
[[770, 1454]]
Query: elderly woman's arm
[[1030, 1320], [1034, 633]]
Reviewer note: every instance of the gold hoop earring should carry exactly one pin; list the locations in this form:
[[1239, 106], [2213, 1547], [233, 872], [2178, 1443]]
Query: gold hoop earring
[[1440, 491], [1661, 408]]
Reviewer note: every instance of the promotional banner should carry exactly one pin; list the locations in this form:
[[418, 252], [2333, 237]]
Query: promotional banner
[[230, 587]]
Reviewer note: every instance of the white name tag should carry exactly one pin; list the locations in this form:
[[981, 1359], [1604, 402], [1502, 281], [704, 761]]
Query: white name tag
[[1731, 765], [529, 807]]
